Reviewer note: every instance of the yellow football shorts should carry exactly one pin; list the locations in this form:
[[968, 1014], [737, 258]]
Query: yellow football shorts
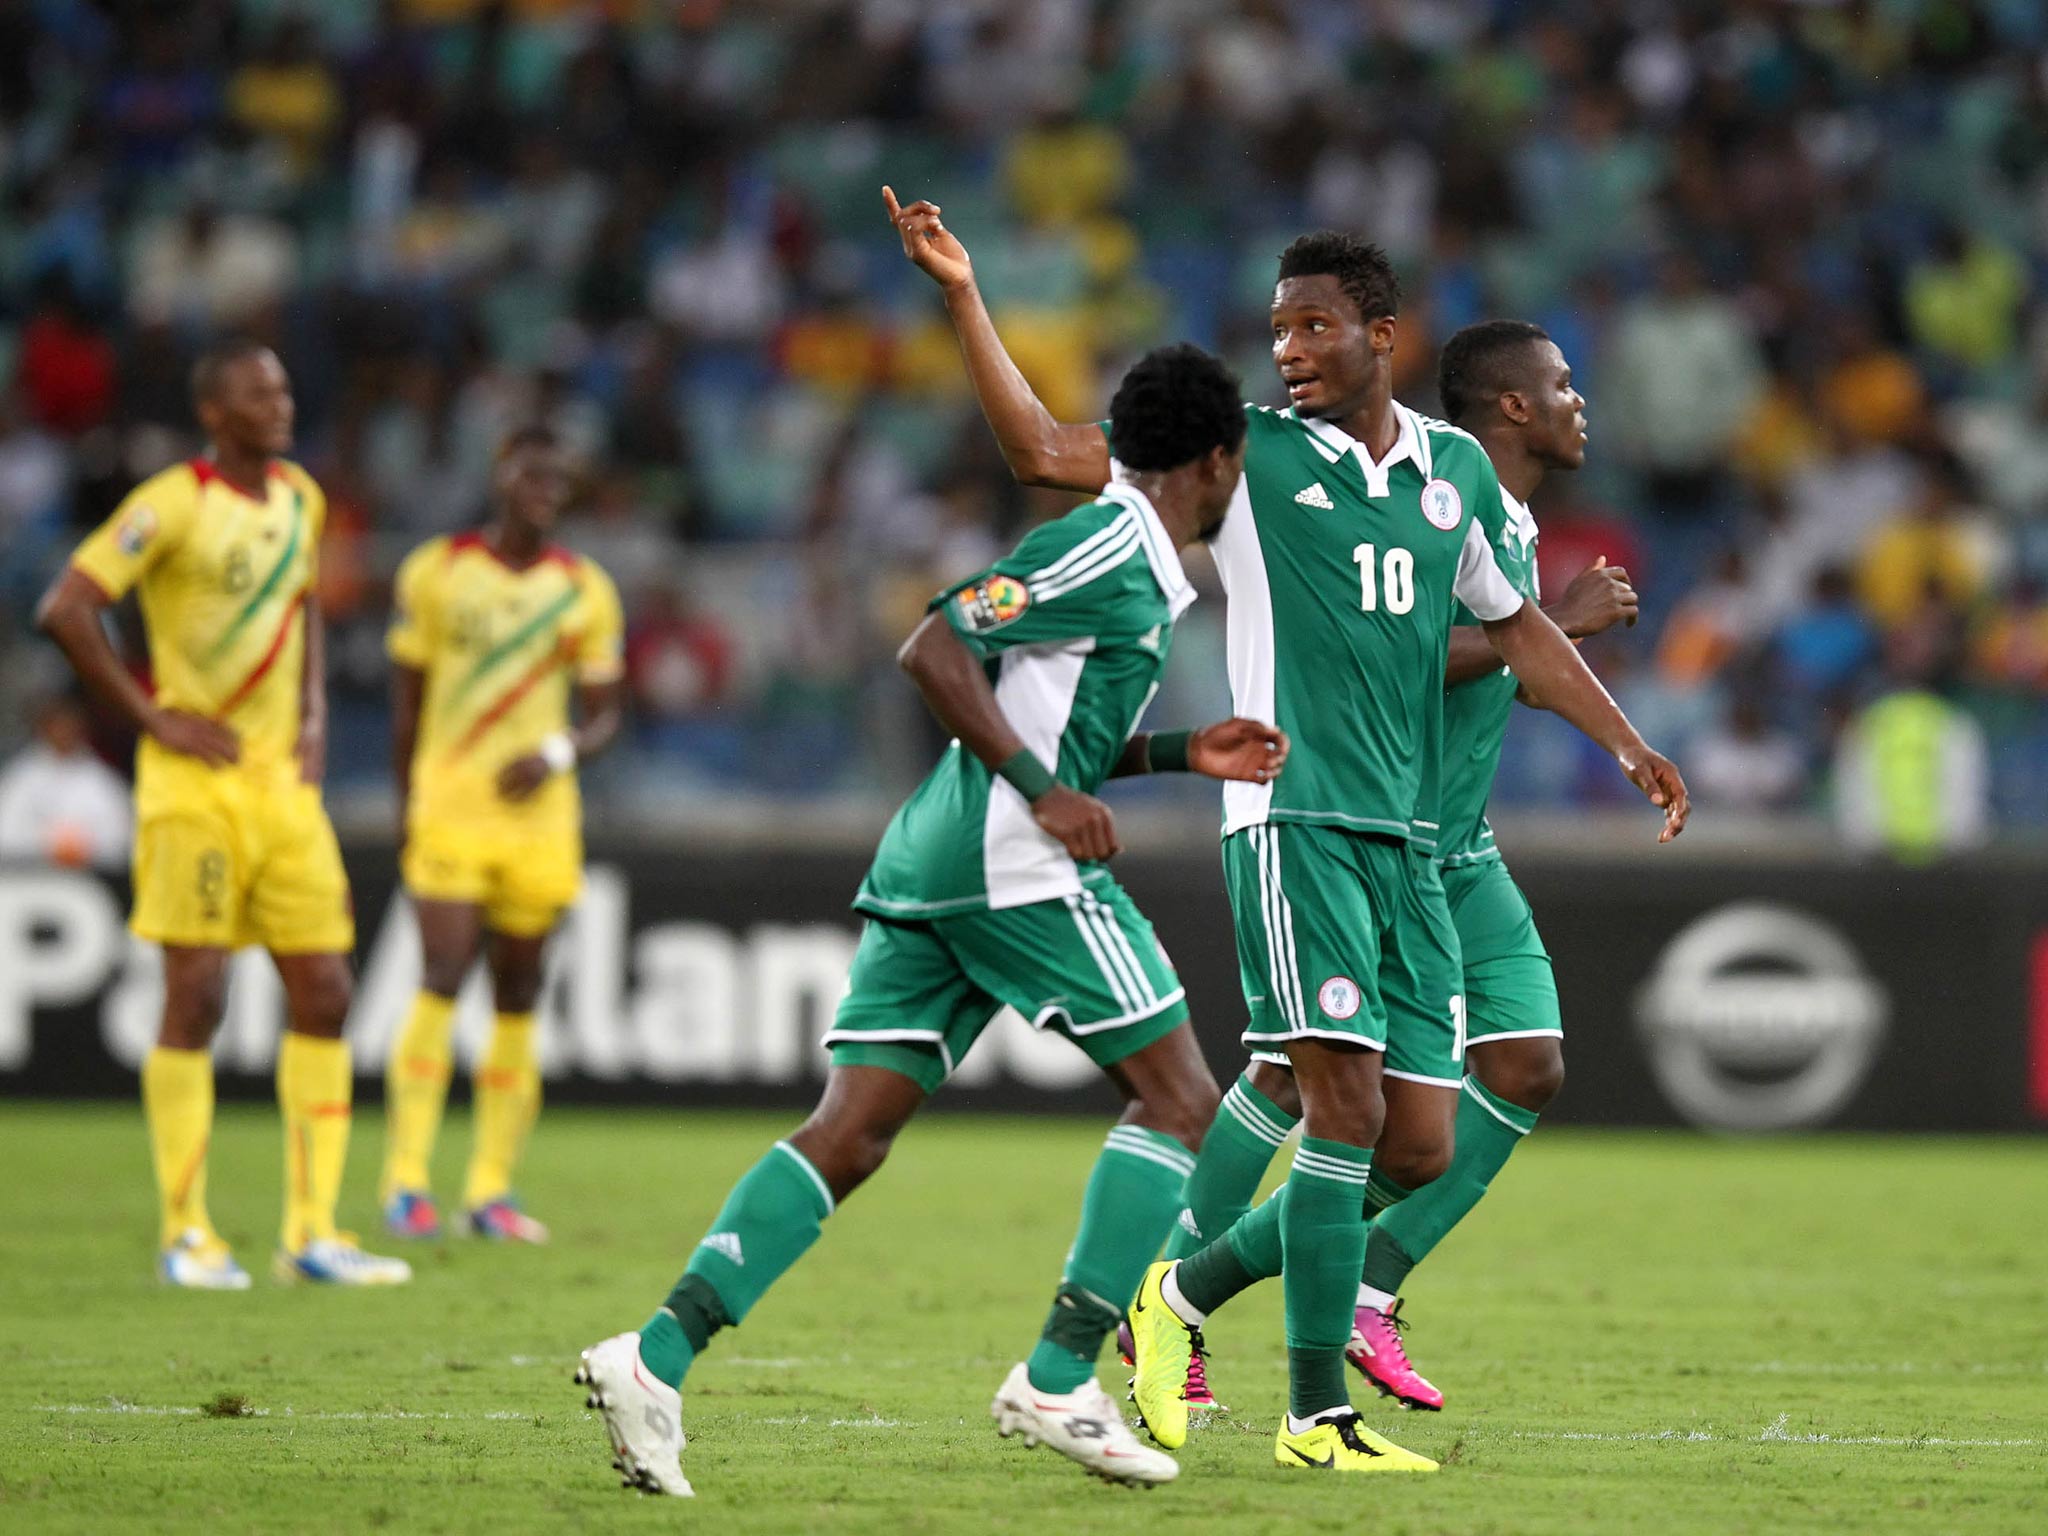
[[523, 877], [233, 859]]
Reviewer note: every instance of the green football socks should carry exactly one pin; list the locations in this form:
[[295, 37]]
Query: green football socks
[[1323, 1237], [768, 1222], [1139, 1183], [1248, 1130], [1488, 1130]]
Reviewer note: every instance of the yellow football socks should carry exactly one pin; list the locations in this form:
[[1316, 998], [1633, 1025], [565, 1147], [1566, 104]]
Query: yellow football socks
[[177, 1101], [507, 1103], [415, 1089], [313, 1089]]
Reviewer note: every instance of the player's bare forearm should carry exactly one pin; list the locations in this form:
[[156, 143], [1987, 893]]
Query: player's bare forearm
[[601, 712], [1538, 653], [1040, 449], [1472, 656], [956, 690], [70, 614], [1550, 667], [408, 687], [313, 696]]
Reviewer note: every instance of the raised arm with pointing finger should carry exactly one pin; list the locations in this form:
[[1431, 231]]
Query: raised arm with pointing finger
[[1069, 456]]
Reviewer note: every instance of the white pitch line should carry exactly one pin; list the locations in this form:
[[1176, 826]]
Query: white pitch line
[[875, 1421], [181, 1410], [1891, 1368], [1774, 1433]]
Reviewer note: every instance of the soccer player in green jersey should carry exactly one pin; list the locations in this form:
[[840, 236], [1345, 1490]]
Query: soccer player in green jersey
[[1357, 529], [990, 888], [1507, 383]]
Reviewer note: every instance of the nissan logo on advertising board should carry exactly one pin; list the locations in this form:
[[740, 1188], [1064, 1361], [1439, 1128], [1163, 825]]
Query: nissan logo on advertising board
[[1760, 1018]]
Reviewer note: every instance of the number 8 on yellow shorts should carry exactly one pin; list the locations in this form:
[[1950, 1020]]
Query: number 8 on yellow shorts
[[238, 859]]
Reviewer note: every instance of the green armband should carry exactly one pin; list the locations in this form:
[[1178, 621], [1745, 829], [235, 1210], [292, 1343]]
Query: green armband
[[1027, 774], [1167, 751]]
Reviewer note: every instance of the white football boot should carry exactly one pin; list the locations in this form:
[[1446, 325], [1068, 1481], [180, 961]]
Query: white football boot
[[338, 1260], [642, 1417], [200, 1261], [1082, 1425]]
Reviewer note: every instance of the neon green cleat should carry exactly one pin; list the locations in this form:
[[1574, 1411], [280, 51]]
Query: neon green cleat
[[1344, 1444], [1161, 1346]]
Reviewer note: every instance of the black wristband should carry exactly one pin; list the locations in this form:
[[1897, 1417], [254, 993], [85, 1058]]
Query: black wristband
[[1027, 774], [1167, 751]]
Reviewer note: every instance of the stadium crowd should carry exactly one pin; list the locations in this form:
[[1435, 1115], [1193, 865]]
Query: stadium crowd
[[1793, 251]]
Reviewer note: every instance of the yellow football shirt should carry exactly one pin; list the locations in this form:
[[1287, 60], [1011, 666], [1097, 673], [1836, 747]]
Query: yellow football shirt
[[223, 573], [500, 647]]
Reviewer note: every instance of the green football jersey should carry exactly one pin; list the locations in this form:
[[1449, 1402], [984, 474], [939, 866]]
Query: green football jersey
[[1074, 627], [1476, 712], [1342, 576]]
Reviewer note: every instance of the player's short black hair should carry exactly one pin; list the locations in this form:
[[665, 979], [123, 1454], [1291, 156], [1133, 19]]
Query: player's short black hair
[[1358, 265], [213, 364], [1175, 404], [1483, 362]]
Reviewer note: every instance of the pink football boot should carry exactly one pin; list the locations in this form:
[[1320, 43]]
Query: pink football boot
[[1376, 1350]]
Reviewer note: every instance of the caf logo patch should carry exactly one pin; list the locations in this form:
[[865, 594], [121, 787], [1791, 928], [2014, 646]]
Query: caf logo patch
[[136, 530], [1338, 997], [991, 603], [1442, 504]]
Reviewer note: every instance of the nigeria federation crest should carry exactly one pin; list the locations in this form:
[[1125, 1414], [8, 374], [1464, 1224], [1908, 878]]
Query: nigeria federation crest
[[1338, 997], [1442, 504]]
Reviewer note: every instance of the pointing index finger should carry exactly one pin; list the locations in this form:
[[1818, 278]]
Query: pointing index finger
[[889, 202]]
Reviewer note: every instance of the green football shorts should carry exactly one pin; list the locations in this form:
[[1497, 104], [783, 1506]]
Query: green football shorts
[[1342, 936], [1088, 966], [1510, 990]]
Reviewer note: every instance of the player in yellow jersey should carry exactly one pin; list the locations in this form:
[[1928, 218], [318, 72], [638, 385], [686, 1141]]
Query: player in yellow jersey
[[232, 845], [492, 632]]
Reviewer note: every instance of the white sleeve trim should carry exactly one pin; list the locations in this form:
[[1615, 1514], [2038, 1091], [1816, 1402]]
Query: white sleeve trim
[[1481, 584]]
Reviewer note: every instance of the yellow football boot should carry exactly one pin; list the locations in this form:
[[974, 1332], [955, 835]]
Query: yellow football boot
[[1344, 1444], [1161, 1345]]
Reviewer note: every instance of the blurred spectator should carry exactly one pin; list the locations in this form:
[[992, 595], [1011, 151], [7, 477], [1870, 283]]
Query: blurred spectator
[[1940, 545], [1710, 626], [1746, 765], [1912, 779], [206, 267], [59, 804], [679, 662], [67, 366], [2012, 649], [1677, 386], [287, 93], [1964, 299], [34, 473], [1823, 648]]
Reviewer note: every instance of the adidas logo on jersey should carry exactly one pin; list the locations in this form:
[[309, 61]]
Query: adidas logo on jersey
[[1315, 496], [727, 1243]]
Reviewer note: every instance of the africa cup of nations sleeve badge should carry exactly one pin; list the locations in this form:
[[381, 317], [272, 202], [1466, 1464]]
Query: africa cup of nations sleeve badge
[[1442, 504], [136, 530], [991, 603]]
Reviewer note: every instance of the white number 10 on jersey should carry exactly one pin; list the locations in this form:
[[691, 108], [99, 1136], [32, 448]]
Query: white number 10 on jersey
[[1398, 579]]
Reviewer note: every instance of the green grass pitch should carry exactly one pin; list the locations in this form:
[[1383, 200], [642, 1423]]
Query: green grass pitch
[[1636, 1332]]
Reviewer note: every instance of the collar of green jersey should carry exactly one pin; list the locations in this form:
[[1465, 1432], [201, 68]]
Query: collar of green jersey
[[1158, 545], [1334, 443]]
